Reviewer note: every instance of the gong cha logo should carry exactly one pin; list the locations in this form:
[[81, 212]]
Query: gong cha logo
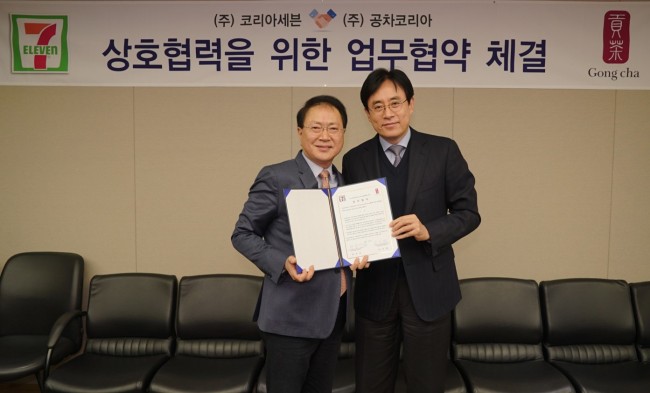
[[616, 37]]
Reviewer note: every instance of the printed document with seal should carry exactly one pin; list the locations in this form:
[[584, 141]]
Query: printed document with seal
[[331, 227]]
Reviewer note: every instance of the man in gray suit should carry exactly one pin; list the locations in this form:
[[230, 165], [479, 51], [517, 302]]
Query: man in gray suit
[[408, 300], [301, 314]]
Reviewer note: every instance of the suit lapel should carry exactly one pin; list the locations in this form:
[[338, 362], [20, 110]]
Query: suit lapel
[[304, 172], [370, 159], [339, 177], [417, 165]]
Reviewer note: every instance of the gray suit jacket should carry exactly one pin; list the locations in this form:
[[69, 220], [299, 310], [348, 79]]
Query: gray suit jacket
[[440, 191], [262, 234]]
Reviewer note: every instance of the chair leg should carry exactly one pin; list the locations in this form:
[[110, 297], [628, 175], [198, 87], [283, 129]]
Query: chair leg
[[41, 382]]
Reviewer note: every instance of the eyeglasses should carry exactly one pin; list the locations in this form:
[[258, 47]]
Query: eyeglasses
[[317, 129], [393, 105]]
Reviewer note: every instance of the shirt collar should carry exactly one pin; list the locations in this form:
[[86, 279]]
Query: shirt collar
[[317, 169], [404, 142]]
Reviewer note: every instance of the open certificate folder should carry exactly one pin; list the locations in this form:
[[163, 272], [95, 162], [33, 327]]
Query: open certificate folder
[[331, 227]]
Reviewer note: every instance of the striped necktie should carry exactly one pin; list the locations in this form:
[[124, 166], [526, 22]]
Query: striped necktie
[[397, 150], [325, 181]]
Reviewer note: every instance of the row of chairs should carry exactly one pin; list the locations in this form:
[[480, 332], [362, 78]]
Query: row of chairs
[[144, 332], [151, 332], [148, 332], [561, 336]]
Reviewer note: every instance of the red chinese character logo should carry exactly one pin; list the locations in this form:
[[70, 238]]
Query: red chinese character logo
[[616, 37]]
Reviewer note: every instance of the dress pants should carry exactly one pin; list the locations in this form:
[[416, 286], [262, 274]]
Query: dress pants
[[303, 365], [425, 348]]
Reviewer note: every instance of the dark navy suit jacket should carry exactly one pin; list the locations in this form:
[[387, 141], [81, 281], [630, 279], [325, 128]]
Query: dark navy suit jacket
[[262, 234], [440, 191]]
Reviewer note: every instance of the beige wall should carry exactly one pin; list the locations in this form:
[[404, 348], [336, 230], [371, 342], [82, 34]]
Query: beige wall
[[152, 179]]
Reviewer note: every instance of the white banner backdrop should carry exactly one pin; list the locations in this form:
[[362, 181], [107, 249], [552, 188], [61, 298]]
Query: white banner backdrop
[[522, 44]]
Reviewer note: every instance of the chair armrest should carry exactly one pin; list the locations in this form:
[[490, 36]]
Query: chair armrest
[[55, 334], [60, 325]]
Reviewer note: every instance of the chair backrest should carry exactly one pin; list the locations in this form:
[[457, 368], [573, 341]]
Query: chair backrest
[[641, 301], [36, 288], [215, 316], [131, 314], [497, 320], [588, 320]]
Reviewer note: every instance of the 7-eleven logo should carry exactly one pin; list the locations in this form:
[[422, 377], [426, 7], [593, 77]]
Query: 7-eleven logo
[[39, 43]]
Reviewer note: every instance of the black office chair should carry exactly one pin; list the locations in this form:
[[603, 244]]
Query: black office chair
[[39, 291], [497, 338], [641, 302], [130, 328], [219, 347], [590, 335]]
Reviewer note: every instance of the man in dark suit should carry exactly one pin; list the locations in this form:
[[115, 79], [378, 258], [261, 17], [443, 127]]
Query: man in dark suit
[[408, 301], [301, 315]]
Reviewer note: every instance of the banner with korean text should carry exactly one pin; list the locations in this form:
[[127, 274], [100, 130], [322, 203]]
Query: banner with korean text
[[521, 44]]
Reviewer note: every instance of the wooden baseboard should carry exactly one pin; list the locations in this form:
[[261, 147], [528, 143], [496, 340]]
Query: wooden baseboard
[[24, 385]]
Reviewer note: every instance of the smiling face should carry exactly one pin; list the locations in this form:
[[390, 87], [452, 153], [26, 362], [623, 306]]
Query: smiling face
[[321, 147], [391, 124]]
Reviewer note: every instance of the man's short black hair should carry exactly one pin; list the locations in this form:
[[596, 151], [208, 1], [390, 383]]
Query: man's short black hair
[[322, 100], [380, 75]]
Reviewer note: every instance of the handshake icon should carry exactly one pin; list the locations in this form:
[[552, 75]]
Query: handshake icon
[[322, 20]]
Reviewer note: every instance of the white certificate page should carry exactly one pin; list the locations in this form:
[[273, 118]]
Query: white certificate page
[[362, 212], [312, 228]]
